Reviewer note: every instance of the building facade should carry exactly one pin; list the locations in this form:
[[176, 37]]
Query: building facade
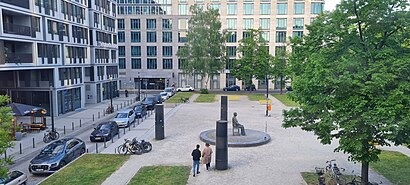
[[150, 33], [52, 52]]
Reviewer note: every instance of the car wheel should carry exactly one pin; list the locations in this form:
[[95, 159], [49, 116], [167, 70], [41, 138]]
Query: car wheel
[[62, 164], [179, 90], [237, 89], [83, 151]]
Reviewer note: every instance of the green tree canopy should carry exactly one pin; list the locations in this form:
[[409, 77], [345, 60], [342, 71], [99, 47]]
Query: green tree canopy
[[5, 132], [280, 63], [204, 53], [351, 76]]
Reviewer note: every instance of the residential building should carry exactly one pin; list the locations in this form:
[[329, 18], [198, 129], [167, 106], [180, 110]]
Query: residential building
[[55, 50], [150, 33]]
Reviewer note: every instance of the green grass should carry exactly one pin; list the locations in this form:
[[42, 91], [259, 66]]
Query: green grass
[[89, 169], [395, 166], [285, 100], [256, 97], [206, 98], [177, 97], [311, 178], [164, 175]]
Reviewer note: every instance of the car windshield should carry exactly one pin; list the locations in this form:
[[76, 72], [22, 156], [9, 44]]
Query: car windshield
[[163, 94], [168, 90], [138, 108], [121, 115], [53, 148], [104, 127], [149, 99]]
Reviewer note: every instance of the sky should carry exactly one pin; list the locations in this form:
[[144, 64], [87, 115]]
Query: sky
[[331, 4]]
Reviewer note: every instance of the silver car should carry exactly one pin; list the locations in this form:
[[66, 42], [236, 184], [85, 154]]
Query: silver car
[[14, 178], [124, 118]]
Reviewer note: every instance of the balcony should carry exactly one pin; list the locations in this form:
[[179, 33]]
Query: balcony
[[17, 23], [13, 52], [17, 29], [19, 3], [19, 57]]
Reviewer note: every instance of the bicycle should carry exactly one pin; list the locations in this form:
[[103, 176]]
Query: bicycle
[[320, 175], [334, 171], [50, 135], [130, 147], [357, 181], [145, 145], [184, 100]]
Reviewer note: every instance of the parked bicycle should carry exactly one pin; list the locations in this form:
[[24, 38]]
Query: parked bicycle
[[130, 147], [356, 180], [320, 175], [146, 145], [50, 135], [184, 100], [334, 171]]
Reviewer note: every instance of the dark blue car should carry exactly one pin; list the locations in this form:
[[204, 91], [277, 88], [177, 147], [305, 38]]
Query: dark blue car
[[56, 155], [232, 88]]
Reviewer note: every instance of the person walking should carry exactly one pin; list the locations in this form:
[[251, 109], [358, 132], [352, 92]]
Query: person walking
[[196, 156], [207, 156]]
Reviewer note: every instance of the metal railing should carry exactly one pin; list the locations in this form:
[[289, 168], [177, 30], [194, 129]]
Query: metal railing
[[19, 57], [17, 29]]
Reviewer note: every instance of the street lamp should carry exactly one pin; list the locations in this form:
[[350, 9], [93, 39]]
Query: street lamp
[[111, 107], [267, 95], [52, 109], [139, 88]]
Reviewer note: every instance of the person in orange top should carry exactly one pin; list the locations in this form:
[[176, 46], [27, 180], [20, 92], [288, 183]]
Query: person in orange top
[[207, 156]]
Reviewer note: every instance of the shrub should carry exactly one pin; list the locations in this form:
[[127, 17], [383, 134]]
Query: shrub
[[204, 91]]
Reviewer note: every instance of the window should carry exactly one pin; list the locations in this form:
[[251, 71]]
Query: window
[[246, 34], [121, 63], [280, 50], [151, 36], [152, 51], [265, 9], [167, 51], [316, 8], [167, 63], [183, 23], [135, 36], [248, 9], [264, 24], [248, 24], [182, 36], [121, 51], [151, 63], [299, 8], [181, 63], [232, 51], [120, 24], [151, 24], [265, 36], [282, 9], [280, 36], [232, 37], [297, 34], [166, 36], [231, 24], [215, 6], [166, 24], [298, 24], [121, 36], [135, 63], [135, 24], [135, 51], [232, 9], [182, 9], [230, 64], [281, 24]]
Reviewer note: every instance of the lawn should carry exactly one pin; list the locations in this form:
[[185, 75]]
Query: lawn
[[395, 166], [311, 178], [177, 97], [89, 169], [256, 97], [206, 98], [164, 175], [285, 100]]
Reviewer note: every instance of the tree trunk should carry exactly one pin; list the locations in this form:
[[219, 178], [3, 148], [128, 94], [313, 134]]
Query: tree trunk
[[281, 84], [365, 173]]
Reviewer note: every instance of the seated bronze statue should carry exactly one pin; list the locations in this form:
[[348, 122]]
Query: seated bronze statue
[[236, 124]]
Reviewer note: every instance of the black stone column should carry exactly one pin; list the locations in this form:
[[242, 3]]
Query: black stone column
[[224, 108], [159, 122], [221, 148]]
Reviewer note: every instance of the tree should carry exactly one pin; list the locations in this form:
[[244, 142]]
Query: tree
[[351, 76], [254, 58], [6, 117], [204, 53], [280, 66]]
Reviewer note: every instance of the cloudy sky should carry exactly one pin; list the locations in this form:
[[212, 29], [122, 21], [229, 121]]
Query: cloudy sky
[[331, 4]]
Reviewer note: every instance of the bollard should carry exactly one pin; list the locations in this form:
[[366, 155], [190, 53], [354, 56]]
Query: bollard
[[80, 122], [146, 115], [103, 113], [98, 115], [118, 134], [96, 148], [221, 145], [121, 106], [117, 106], [105, 143], [138, 121], [34, 144], [64, 129], [87, 150], [129, 127], [134, 124], [124, 130], [21, 151], [93, 117], [112, 139], [5, 154], [159, 122], [72, 125]]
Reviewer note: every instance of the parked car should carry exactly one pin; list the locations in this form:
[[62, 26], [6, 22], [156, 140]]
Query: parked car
[[232, 88], [14, 177], [150, 102], [158, 99], [250, 88], [125, 117], [105, 130], [140, 110], [164, 96], [169, 91], [56, 155], [186, 88]]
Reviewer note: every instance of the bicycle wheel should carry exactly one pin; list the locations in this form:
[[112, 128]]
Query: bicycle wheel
[[147, 147], [55, 135], [121, 149], [137, 149], [46, 139]]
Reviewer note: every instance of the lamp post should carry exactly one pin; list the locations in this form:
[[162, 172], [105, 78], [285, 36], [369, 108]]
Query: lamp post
[[139, 88], [52, 109], [111, 107], [267, 95]]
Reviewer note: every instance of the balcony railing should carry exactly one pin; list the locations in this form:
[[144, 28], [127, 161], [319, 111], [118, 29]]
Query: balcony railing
[[17, 29], [19, 57], [20, 3]]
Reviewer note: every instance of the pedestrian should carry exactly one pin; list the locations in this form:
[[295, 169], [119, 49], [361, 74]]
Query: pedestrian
[[126, 93], [206, 156], [196, 156]]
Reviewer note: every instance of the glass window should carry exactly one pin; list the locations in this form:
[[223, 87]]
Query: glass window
[[181, 1], [167, 51], [121, 36], [183, 23], [166, 24], [215, 7], [215, 0], [316, 8], [232, 51], [167, 36], [280, 36], [265, 36], [182, 36], [299, 8], [182, 9], [232, 9], [151, 63], [231, 23], [248, 9], [298, 23], [167, 63], [282, 8], [246, 34], [121, 51], [232, 37], [121, 63], [135, 51], [265, 24], [120, 24], [135, 36], [297, 34], [151, 36], [281, 24], [151, 24], [135, 63], [279, 49], [248, 24], [152, 51], [265, 9], [135, 24]]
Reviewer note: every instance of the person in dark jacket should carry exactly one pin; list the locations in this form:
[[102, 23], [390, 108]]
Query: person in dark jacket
[[196, 156]]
